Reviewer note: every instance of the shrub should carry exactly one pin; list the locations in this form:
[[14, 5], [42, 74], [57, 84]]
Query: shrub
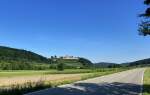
[[60, 67]]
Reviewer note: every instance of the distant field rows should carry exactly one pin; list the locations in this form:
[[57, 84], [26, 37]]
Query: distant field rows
[[13, 73]]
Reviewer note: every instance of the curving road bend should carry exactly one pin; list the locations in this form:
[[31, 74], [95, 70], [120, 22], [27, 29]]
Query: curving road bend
[[123, 83]]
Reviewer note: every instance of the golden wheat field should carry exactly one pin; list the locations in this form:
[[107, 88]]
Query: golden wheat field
[[7, 81]]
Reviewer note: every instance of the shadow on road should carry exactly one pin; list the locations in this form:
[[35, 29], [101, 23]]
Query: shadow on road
[[95, 89], [111, 88]]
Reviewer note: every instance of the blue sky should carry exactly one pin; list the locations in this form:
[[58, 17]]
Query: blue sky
[[101, 30]]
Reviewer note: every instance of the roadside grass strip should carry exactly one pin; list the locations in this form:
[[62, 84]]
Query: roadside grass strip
[[146, 85]]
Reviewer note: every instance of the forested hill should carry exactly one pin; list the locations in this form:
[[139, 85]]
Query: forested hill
[[106, 65], [141, 63], [19, 59], [8, 54]]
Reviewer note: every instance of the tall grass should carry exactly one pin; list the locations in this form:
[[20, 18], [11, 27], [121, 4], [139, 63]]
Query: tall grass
[[20, 89]]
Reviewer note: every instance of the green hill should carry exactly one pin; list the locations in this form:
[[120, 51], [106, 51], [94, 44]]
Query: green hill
[[19, 59], [12, 54], [76, 63], [11, 58], [139, 63], [106, 65]]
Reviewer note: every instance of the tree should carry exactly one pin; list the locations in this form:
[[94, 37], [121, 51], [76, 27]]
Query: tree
[[147, 2], [144, 26], [60, 67]]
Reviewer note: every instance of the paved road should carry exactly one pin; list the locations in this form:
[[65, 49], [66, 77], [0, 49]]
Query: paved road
[[123, 83]]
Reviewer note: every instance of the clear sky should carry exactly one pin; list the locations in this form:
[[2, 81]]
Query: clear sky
[[101, 30]]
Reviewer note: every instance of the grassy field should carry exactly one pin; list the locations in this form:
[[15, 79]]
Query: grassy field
[[13, 73], [146, 86], [19, 82]]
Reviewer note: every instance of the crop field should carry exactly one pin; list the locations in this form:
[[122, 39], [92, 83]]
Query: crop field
[[6, 81], [146, 87], [19, 82], [13, 73]]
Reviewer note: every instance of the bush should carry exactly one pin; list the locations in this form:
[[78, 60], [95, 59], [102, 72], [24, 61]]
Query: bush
[[60, 67]]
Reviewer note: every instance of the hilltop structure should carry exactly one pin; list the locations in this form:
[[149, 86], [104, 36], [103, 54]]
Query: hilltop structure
[[69, 57]]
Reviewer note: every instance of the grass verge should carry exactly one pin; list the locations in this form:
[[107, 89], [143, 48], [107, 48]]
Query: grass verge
[[146, 85]]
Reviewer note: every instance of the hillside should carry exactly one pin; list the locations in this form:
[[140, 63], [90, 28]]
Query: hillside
[[75, 63], [11, 54], [138, 63], [19, 59], [11, 58], [106, 65], [141, 63]]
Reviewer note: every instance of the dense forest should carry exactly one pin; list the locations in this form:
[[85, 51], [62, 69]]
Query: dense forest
[[18, 59], [12, 54]]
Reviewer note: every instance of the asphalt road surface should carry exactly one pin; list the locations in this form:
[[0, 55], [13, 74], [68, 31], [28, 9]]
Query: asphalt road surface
[[122, 83]]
